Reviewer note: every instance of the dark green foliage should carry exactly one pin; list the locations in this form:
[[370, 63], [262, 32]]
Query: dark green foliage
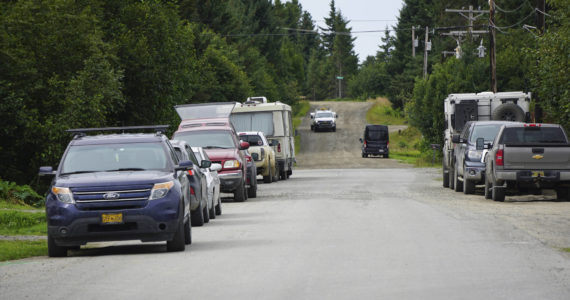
[[12, 193]]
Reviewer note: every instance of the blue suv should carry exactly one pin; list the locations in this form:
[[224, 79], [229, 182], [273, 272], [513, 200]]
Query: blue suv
[[111, 187]]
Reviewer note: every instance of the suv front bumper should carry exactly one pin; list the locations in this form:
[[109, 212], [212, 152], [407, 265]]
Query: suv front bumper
[[70, 226]]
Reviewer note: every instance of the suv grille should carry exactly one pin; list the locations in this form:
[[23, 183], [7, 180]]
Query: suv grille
[[116, 194]]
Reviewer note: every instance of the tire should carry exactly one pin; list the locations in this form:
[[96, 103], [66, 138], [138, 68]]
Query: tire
[[508, 112], [457, 184], [468, 185], [334, 129], [239, 194], [206, 214], [488, 187], [212, 211], [54, 250], [283, 175], [197, 216], [178, 243], [187, 233], [252, 191], [445, 178], [219, 207], [268, 178], [563, 194], [451, 176], [498, 193], [387, 156]]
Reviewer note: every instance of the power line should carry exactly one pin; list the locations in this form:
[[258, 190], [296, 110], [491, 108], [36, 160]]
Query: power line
[[514, 10]]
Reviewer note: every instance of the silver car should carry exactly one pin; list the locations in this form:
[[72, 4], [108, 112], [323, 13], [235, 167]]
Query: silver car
[[213, 182]]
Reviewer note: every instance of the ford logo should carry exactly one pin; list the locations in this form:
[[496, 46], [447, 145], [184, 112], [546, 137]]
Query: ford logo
[[111, 196]]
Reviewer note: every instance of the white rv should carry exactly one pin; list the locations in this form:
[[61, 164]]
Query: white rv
[[274, 120]]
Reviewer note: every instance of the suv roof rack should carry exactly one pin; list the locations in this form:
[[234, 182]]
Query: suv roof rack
[[79, 132]]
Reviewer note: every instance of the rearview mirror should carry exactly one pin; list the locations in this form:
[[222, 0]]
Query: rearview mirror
[[184, 165], [455, 138], [480, 144], [243, 145], [46, 171], [205, 164]]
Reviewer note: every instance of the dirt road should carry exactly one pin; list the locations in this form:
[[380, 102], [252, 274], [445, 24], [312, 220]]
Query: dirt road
[[340, 149]]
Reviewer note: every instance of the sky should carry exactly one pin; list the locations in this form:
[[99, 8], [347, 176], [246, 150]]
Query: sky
[[365, 15]]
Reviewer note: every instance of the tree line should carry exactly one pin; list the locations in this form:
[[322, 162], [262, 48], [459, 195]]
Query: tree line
[[99, 63]]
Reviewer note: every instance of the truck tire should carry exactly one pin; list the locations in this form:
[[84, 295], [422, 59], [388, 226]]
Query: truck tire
[[457, 184], [488, 187], [187, 233], [54, 250], [252, 190], [451, 178], [498, 193], [468, 185], [268, 178], [206, 214], [445, 179], [508, 112], [239, 194]]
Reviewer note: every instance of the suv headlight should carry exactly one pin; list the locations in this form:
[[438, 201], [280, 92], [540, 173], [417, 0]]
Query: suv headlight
[[63, 194], [231, 164], [474, 155], [159, 190]]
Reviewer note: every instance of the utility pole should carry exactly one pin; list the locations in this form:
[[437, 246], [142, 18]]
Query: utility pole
[[413, 41], [470, 17], [460, 35], [540, 5], [425, 52], [492, 58]]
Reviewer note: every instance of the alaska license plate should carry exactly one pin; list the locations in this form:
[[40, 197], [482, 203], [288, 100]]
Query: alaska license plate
[[112, 218], [537, 173]]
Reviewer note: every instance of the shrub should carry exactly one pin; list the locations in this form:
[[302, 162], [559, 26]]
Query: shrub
[[19, 194]]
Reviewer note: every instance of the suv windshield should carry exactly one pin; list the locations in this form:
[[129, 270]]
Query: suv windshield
[[324, 115], [207, 139], [487, 132], [115, 157]]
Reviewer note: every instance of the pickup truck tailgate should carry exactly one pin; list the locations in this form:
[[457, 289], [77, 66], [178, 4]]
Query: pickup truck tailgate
[[537, 157]]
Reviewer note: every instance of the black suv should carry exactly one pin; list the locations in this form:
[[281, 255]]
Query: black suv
[[468, 165], [376, 141], [111, 187]]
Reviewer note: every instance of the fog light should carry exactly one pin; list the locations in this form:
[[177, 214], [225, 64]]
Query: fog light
[[63, 231], [471, 172]]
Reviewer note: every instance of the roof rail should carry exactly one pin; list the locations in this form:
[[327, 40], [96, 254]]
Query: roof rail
[[158, 129]]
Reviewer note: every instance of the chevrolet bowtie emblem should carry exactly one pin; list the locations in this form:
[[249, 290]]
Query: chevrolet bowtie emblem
[[538, 156]]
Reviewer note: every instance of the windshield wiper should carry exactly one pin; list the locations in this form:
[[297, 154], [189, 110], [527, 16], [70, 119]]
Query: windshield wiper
[[215, 147], [126, 169], [78, 172]]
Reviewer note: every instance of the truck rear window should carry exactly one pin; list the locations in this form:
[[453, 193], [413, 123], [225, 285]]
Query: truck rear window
[[533, 135]]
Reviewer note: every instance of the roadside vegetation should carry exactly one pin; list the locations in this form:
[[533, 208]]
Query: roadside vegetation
[[406, 145], [10, 250], [300, 110]]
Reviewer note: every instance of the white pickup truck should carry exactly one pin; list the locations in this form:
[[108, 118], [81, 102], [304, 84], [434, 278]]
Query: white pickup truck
[[527, 158]]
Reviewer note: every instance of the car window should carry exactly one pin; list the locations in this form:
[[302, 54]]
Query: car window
[[207, 139], [376, 135], [531, 135], [253, 140], [191, 155], [324, 115], [487, 132], [115, 157]]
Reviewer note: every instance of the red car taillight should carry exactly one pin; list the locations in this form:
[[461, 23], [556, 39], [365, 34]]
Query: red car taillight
[[499, 157], [279, 147], [364, 143], [388, 144], [192, 192], [249, 158], [190, 172]]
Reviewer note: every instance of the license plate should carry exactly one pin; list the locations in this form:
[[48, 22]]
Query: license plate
[[537, 173], [380, 151], [112, 218]]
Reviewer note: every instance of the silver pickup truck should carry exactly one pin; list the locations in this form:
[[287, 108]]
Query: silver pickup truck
[[527, 158]]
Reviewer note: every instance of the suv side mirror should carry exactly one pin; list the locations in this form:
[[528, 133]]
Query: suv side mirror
[[488, 146], [184, 165], [480, 144], [456, 139], [205, 164], [46, 171], [243, 145]]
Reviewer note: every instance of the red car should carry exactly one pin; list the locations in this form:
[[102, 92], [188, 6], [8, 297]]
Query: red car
[[208, 126]]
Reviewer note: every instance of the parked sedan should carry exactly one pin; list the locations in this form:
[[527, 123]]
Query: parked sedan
[[213, 181], [199, 204]]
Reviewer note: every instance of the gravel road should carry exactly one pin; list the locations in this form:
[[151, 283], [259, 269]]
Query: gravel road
[[340, 149]]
